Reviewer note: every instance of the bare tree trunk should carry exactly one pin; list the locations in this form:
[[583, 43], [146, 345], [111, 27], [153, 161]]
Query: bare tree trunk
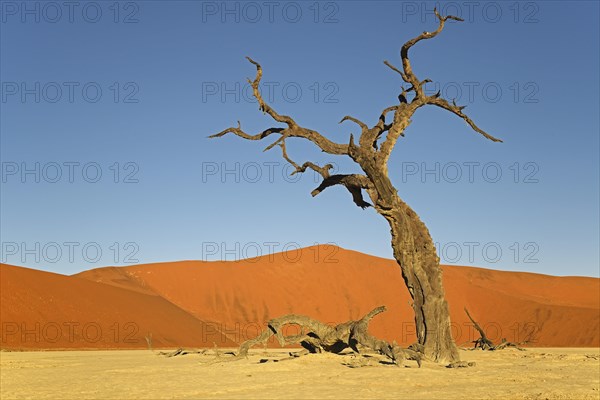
[[415, 253]]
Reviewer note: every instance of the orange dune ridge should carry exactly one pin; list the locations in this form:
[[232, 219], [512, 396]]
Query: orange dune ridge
[[200, 304]]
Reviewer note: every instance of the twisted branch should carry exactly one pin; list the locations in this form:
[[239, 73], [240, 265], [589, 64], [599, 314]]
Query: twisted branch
[[409, 76], [323, 171], [362, 125], [239, 132], [292, 130], [406, 109], [353, 182], [457, 110]]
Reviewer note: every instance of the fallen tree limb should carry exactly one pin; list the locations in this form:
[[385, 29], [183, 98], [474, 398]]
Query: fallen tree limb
[[181, 352], [461, 364], [317, 337]]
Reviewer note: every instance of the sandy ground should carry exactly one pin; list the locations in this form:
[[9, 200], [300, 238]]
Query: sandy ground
[[558, 373]]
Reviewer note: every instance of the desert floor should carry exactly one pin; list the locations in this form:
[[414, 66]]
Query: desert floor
[[542, 373]]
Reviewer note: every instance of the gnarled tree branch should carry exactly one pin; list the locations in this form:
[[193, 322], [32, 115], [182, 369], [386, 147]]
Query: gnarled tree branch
[[323, 171], [239, 132], [406, 109], [353, 182], [453, 108], [362, 125], [292, 130], [409, 76], [370, 137]]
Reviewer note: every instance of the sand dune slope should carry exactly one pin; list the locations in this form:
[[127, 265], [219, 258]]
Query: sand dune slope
[[46, 310], [193, 303], [335, 285]]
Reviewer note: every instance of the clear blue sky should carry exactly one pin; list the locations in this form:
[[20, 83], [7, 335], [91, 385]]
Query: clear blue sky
[[171, 73]]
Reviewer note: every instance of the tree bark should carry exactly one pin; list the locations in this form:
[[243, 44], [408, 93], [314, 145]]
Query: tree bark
[[415, 253]]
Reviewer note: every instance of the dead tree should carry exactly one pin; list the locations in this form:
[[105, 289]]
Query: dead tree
[[484, 343], [412, 244]]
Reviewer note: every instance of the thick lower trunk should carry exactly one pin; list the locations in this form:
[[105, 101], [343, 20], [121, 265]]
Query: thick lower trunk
[[415, 253]]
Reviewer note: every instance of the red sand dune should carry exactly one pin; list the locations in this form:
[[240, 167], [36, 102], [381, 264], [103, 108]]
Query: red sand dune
[[42, 310], [235, 299]]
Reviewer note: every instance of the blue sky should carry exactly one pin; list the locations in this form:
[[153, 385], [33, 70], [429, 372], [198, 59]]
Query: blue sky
[[106, 108]]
